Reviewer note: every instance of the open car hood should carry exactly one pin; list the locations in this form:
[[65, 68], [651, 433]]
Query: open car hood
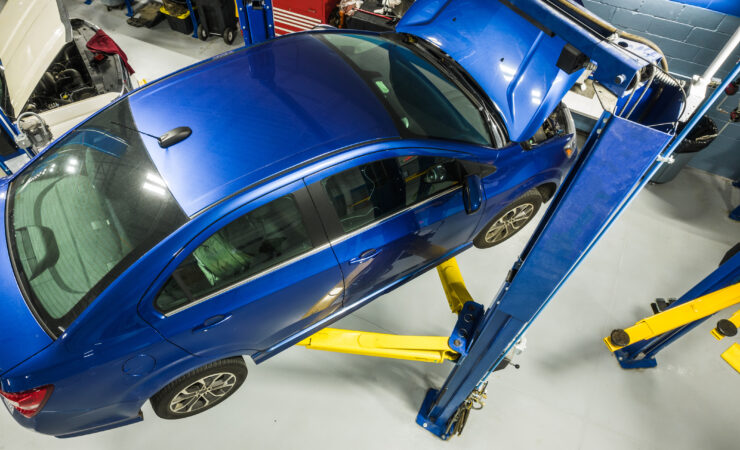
[[513, 61], [32, 33]]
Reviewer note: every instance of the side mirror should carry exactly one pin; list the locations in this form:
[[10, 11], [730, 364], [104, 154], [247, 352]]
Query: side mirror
[[472, 193]]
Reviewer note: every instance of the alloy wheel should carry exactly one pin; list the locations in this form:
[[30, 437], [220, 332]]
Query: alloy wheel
[[509, 223], [203, 392]]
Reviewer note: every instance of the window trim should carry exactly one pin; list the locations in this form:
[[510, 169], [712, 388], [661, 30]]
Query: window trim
[[305, 206]]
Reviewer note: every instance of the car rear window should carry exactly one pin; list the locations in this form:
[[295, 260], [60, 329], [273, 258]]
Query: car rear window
[[85, 211]]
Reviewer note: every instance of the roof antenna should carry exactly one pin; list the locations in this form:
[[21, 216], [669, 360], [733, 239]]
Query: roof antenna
[[174, 136]]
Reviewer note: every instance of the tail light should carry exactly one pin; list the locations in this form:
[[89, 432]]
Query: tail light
[[30, 402]]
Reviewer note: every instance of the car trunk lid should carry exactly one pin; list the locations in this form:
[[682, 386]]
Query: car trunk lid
[[513, 61], [32, 33], [21, 336]]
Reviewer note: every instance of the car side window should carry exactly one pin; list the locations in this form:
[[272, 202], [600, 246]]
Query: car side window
[[373, 191], [263, 238]]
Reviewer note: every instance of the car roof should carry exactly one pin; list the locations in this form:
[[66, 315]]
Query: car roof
[[254, 113]]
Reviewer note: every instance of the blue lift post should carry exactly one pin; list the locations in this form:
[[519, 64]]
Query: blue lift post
[[192, 17], [564, 236], [129, 7], [256, 21]]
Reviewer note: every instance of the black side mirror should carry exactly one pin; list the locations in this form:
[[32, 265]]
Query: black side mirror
[[472, 193]]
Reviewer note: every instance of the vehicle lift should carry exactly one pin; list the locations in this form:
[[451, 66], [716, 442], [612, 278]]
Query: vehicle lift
[[483, 338], [635, 347]]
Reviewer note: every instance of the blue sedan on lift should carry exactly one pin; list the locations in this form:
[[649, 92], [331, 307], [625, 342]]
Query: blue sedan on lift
[[242, 204]]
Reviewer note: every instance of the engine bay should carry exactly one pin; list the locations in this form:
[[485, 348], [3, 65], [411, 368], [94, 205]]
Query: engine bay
[[77, 73]]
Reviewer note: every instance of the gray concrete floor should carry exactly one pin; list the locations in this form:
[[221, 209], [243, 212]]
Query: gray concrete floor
[[569, 393]]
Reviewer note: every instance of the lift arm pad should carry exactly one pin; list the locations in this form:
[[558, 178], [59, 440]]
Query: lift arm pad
[[679, 315]]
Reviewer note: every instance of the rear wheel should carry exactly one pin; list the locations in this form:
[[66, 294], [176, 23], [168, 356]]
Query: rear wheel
[[201, 389], [510, 221]]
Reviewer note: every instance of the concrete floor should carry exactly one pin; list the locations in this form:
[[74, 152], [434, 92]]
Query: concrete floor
[[569, 393]]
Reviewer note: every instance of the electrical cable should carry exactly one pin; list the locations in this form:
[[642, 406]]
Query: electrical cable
[[634, 89], [639, 99]]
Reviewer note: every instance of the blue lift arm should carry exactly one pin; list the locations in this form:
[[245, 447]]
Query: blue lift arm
[[614, 164]]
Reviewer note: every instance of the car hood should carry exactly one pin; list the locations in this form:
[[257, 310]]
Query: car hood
[[513, 61], [32, 33], [21, 336]]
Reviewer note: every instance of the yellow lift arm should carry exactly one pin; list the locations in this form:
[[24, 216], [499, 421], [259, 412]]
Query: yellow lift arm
[[416, 348], [684, 314]]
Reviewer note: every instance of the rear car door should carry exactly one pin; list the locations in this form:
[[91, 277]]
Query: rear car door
[[262, 273], [390, 215]]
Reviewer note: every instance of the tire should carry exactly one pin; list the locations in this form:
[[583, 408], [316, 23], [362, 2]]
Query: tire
[[510, 220], [174, 400], [229, 35], [202, 32]]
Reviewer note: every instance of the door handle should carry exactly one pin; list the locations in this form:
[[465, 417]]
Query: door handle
[[211, 322], [365, 256]]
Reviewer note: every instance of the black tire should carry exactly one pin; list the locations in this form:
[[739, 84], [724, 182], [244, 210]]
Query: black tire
[[525, 207], [229, 35], [202, 32], [200, 382]]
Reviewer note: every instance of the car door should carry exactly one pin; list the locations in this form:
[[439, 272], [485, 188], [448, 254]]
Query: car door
[[259, 275], [390, 215]]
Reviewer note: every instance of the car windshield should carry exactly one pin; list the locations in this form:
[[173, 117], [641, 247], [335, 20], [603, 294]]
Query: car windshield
[[423, 101], [82, 213]]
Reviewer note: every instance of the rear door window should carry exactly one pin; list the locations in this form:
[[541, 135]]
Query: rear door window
[[252, 244]]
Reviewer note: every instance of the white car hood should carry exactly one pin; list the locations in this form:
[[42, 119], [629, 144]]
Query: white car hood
[[32, 33]]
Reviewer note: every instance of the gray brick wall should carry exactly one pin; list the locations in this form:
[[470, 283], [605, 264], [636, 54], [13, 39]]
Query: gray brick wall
[[690, 37]]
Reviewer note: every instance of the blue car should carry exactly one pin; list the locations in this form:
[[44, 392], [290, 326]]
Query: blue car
[[242, 204]]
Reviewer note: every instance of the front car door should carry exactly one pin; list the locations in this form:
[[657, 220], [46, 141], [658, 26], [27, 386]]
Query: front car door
[[258, 275], [392, 214]]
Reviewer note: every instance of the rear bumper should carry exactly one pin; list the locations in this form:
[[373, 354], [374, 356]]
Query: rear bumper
[[64, 424]]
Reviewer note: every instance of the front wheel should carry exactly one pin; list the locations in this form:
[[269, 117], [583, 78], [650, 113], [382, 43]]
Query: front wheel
[[509, 221], [200, 389]]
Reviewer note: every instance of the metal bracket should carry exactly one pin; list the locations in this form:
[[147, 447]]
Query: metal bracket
[[467, 322]]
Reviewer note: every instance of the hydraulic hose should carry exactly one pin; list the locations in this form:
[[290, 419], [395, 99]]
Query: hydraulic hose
[[612, 29]]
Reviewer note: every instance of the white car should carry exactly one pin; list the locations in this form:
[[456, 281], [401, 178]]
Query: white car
[[46, 68]]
